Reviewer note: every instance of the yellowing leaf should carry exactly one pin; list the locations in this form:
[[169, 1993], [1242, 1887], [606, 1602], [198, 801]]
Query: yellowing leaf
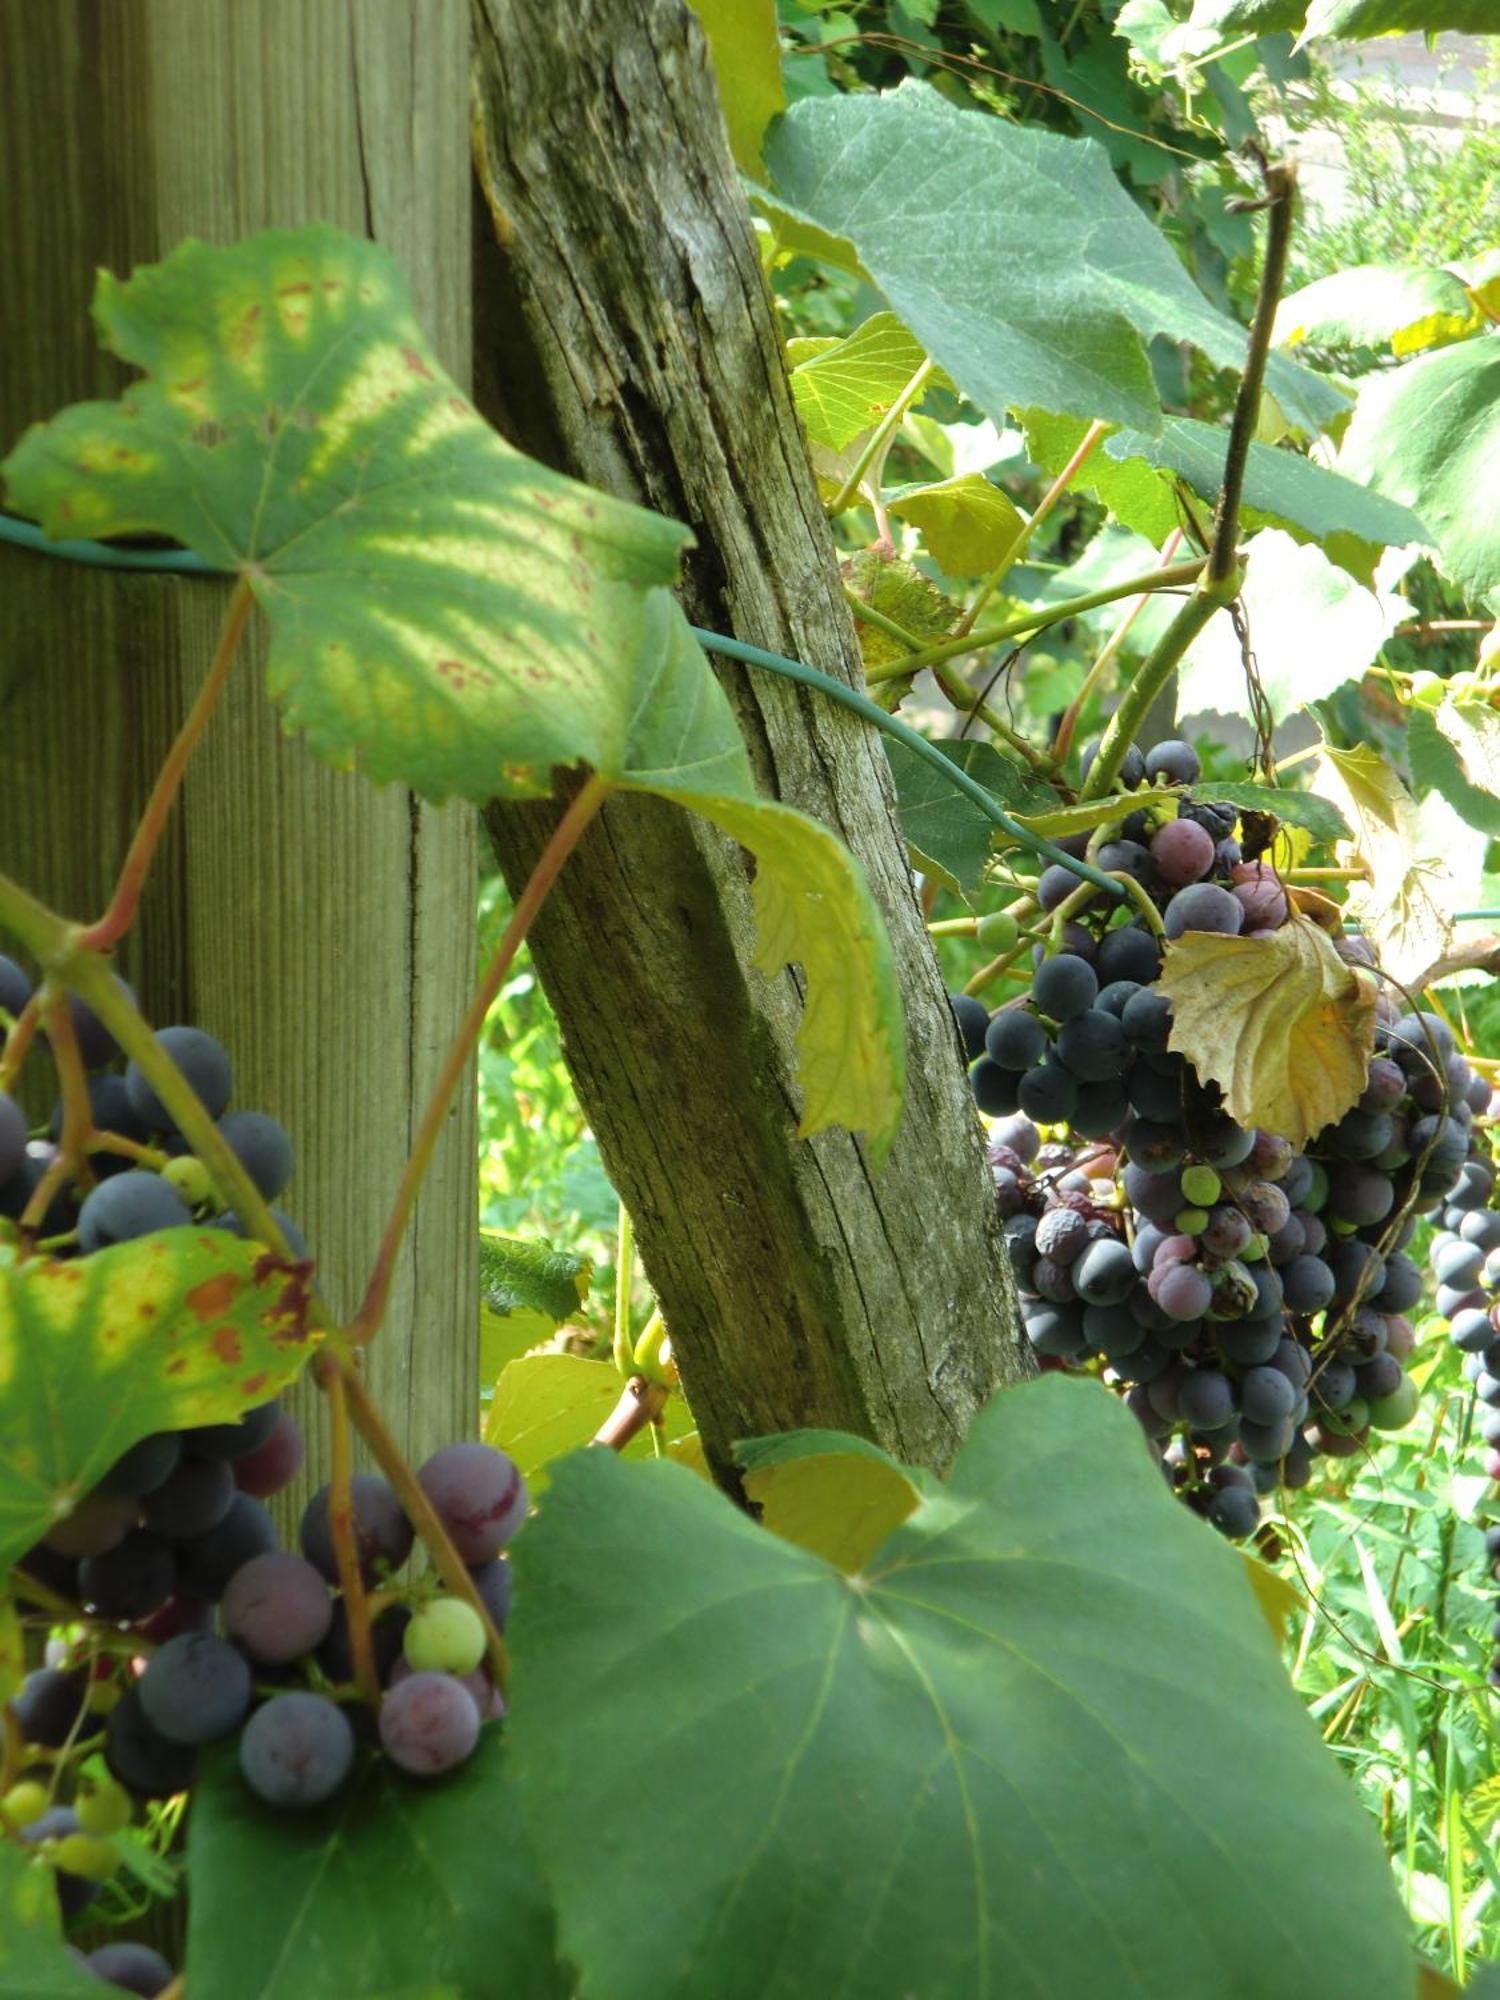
[[1405, 906], [849, 387], [549, 1404], [891, 585], [832, 1495], [1280, 1023], [1278, 1599], [747, 62], [967, 523]]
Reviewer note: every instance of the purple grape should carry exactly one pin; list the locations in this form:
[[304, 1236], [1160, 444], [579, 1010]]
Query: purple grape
[[96, 1045], [1182, 853], [479, 1496], [1015, 1039], [1128, 952], [275, 1464], [130, 1580], [263, 1149], [1203, 907], [1183, 1291], [1092, 1046], [143, 1760], [144, 1467], [194, 1499], [277, 1608], [1064, 986], [49, 1706], [1206, 1399], [134, 1968], [196, 1688], [1061, 1235], [383, 1536], [994, 1089], [297, 1750], [206, 1562], [1174, 762], [127, 1206], [429, 1723], [237, 1439], [1048, 1093], [203, 1063]]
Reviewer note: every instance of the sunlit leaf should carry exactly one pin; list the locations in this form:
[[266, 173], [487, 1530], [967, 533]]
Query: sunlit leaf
[[187, 1327], [1057, 822], [1401, 307], [850, 385], [898, 590], [743, 41], [835, 1496], [957, 216], [1437, 765], [1407, 904], [532, 1276], [967, 1769], [1278, 1598], [966, 524], [1280, 1023], [549, 1404]]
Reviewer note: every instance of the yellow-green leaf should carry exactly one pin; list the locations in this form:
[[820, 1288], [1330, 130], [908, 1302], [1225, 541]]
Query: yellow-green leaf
[[12, 1648], [899, 591], [814, 908], [1406, 905], [1065, 820], [832, 1495], [549, 1404], [967, 523], [1279, 1600], [188, 1327], [849, 387], [747, 62], [1280, 1023]]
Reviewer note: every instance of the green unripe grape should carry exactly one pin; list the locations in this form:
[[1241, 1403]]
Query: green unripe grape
[[1317, 1192], [102, 1697], [189, 1177], [24, 1802], [1337, 1225], [445, 1637], [1427, 689], [1255, 1249], [1202, 1186], [1353, 1417], [84, 1854], [1190, 1221], [1465, 686], [1395, 1411], [998, 931], [105, 1809]]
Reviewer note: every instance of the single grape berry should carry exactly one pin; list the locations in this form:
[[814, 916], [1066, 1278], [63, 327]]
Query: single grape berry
[[196, 1688], [277, 1608], [1064, 986], [997, 932], [126, 1206], [479, 1496], [204, 1064], [297, 1750], [971, 1017], [1174, 763], [445, 1636], [429, 1724], [1015, 1039], [383, 1536]]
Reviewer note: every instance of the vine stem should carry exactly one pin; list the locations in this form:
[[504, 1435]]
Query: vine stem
[[1038, 619], [1149, 680], [879, 439], [448, 1563], [118, 917], [565, 837], [341, 1521], [1086, 446], [641, 1404]]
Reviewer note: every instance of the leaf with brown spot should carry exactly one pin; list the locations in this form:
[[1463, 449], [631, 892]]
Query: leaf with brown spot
[[1280, 1023], [191, 1326]]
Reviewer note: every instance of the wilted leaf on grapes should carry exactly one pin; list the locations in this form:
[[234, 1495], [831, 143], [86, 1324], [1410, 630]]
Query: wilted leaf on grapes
[[967, 523], [836, 1496], [1280, 1023], [187, 1327], [1406, 906]]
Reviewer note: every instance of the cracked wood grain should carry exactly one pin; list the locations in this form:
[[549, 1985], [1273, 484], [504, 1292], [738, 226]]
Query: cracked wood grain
[[624, 334]]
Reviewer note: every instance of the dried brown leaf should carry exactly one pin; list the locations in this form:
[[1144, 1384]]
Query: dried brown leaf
[[1280, 1023]]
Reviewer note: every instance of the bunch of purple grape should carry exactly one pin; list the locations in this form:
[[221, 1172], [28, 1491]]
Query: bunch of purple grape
[[1465, 1261], [1249, 1304]]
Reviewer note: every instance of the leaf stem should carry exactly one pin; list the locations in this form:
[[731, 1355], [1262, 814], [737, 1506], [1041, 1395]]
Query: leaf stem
[[641, 1404], [341, 1522], [624, 1267], [565, 837], [880, 438], [420, 1511], [117, 919], [1040, 617], [1054, 493]]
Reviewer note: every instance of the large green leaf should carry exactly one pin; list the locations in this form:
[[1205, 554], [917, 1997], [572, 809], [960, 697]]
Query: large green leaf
[[1357, 19], [549, 1404], [33, 1963], [945, 830], [397, 1889], [1402, 307], [1428, 435], [966, 523], [1455, 752], [190, 1326], [747, 63], [957, 216], [1283, 490], [1040, 1746]]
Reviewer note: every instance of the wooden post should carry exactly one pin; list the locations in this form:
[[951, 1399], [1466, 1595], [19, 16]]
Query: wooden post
[[323, 930]]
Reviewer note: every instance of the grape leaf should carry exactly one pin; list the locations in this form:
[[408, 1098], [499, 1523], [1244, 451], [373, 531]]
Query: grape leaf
[[1401, 307], [548, 1404], [1359, 19], [532, 1277], [1280, 1023], [743, 41], [12, 1647], [1406, 905], [932, 1777], [1438, 766], [1427, 434], [1322, 820], [33, 1963], [957, 216], [1312, 627], [966, 523], [850, 386], [898, 589], [947, 833], [835, 1496], [397, 1889], [187, 1327]]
